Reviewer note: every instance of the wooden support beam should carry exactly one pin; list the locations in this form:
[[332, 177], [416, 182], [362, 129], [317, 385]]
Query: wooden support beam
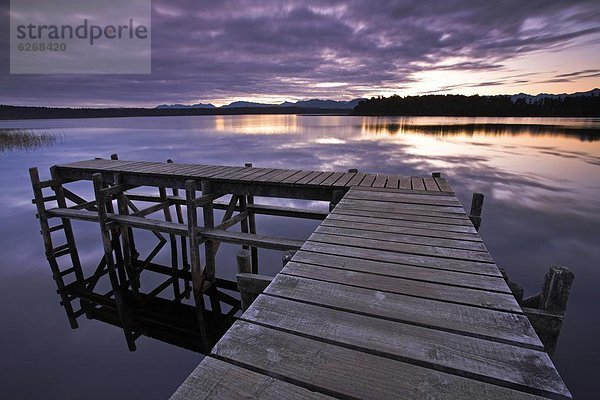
[[182, 239], [336, 196], [263, 209], [196, 268], [152, 209], [110, 262], [251, 285], [476, 207], [210, 246], [126, 236], [262, 241], [252, 228], [244, 266], [233, 221], [173, 243]]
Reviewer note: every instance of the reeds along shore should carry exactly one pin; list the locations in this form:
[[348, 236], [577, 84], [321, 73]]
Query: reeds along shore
[[26, 139]]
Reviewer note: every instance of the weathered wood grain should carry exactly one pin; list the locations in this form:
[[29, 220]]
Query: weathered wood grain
[[331, 220], [497, 363], [343, 372], [428, 290], [403, 217], [218, 380], [402, 238], [461, 279], [472, 321], [403, 258], [416, 249]]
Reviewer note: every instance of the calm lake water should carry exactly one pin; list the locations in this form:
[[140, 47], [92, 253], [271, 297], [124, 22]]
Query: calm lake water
[[541, 178]]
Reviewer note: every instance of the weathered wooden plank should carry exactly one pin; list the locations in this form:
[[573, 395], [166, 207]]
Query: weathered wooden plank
[[309, 177], [285, 175], [428, 290], [257, 174], [443, 185], [430, 184], [218, 380], [448, 264], [343, 181], [405, 208], [320, 178], [343, 372], [243, 172], [380, 181], [272, 175], [417, 183], [362, 226], [368, 180], [497, 363], [403, 217], [233, 171], [392, 182], [404, 198], [402, 238], [332, 179], [405, 183], [416, 249], [472, 321], [460, 279], [382, 220], [357, 179], [296, 177], [401, 190]]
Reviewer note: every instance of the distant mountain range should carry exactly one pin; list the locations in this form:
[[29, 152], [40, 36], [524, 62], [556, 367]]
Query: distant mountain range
[[312, 103], [532, 99]]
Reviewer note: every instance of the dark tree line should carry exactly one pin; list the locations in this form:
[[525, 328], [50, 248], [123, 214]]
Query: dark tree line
[[492, 106], [19, 112]]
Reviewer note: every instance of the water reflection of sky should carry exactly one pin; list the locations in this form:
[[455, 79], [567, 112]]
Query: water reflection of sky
[[541, 178]]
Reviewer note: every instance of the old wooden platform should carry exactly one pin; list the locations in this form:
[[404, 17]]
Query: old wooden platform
[[393, 296]]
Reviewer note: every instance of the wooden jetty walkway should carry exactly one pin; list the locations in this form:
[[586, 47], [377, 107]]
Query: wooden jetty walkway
[[393, 296]]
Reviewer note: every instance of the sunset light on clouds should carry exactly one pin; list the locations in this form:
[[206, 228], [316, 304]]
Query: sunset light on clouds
[[272, 51]]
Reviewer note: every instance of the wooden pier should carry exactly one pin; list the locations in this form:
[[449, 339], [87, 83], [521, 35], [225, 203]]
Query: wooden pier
[[393, 296]]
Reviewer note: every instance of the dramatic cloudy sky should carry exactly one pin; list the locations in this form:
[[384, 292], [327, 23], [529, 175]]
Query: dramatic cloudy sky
[[273, 50]]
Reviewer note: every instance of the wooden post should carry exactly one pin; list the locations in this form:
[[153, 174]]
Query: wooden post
[[210, 248], [173, 243], [476, 207], [353, 170], [183, 242], [252, 228], [336, 196], [251, 285], [287, 257], [197, 273], [244, 266], [134, 252], [126, 234], [117, 286], [436, 174], [546, 310], [555, 292]]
